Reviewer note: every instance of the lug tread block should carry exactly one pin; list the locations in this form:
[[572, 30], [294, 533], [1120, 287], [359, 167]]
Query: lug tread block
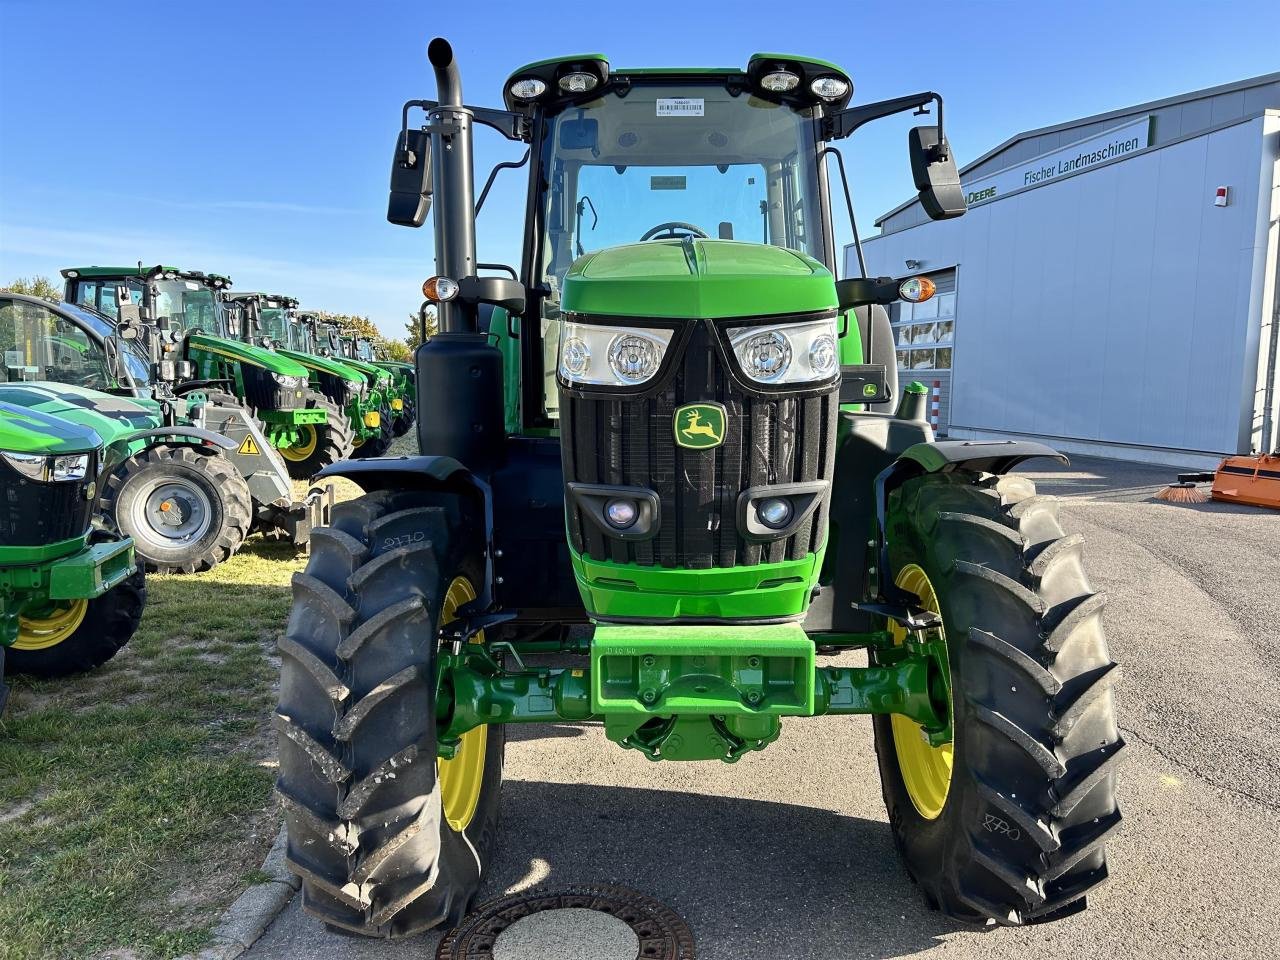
[[334, 770], [353, 517], [411, 612], [377, 857], [1067, 715], [1064, 896], [1019, 883], [1055, 550], [1026, 664], [319, 616], [346, 726], [1100, 764], [342, 835], [1013, 489], [359, 796], [1088, 843], [996, 579], [1068, 617], [384, 579], [1045, 758], [349, 894], [324, 678], [1000, 914], [1030, 824], [335, 557], [998, 530]]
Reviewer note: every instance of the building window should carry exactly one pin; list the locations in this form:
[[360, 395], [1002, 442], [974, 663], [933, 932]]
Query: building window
[[925, 332]]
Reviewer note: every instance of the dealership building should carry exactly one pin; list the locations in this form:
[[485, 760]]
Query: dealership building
[[1112, 288]]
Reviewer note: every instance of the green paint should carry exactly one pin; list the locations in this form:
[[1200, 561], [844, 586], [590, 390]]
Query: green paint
[[632, 591], [91, 572], [691, 279], [699, 426]]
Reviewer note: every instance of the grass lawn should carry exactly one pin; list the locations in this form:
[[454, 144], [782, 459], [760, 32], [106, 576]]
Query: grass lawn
[[136, 801]]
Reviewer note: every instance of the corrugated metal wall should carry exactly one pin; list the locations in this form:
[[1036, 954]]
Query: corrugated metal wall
[[1113, 306]]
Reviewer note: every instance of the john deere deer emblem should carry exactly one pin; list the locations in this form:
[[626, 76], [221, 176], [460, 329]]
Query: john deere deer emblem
[[700, 426]]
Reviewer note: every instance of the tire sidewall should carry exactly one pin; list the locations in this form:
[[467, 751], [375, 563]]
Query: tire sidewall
[[159, 466]]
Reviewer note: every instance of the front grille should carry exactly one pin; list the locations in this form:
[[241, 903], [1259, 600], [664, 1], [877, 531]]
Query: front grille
[[335, 389], [33, 513], [263, 393], [769, 438]]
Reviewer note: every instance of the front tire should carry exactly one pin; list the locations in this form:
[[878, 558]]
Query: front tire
[[79, 635], [368, 816], [320, 446], [1013, 829], [186, 511]]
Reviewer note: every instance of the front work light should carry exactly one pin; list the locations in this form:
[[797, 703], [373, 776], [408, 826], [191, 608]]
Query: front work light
[[774, 512], [530, 88], [596, 354], [578, 82], [621, 513], [779, 81], [787, 352], [829, 88], [917, 289], [439, 289]]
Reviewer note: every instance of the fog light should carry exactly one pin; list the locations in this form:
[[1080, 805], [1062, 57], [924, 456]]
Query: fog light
[[621, 513], [774, 512]]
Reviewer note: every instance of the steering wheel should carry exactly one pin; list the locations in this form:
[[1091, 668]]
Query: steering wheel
[[672, 229]]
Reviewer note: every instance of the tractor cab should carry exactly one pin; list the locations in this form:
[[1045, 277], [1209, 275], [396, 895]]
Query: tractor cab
[[69, 344]]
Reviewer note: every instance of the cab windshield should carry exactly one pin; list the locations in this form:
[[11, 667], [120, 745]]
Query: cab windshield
[[364, 351], [189, 305], [280, 326], [662, 160]]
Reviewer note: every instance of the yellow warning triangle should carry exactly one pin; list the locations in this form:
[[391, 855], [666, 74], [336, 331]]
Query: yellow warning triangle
[[249, 447]]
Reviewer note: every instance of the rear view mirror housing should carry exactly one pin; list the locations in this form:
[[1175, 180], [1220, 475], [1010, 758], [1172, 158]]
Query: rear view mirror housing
[[933, 168], [410, 199], [580, 134], [861, 291]]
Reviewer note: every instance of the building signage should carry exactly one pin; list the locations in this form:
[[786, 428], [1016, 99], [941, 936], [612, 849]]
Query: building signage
[[1082, 155]]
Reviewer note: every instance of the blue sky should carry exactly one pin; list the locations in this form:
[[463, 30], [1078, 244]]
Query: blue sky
[[254, 138]]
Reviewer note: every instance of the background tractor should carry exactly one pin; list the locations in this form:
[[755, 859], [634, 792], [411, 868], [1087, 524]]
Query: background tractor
[[675, 425], [187, 306], [71, 594], [361, 349], [185, 477], [331, 342]]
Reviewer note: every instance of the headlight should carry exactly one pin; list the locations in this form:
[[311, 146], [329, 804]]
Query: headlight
[[44, 469], [285, 380], [611, 356], [788, 353]]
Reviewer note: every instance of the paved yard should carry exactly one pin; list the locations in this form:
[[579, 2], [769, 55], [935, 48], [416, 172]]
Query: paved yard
[[787, 854]]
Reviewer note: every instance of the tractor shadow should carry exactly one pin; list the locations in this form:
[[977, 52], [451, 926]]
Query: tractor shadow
[[753, 879]]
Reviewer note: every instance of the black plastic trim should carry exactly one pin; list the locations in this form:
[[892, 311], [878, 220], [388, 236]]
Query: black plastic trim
[[591, 498], [804, 497]]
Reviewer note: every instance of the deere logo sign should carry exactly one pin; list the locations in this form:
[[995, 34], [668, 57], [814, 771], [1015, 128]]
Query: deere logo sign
[[700, 426]]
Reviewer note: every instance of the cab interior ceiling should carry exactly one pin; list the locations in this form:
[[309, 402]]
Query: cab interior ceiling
[[630, 132]]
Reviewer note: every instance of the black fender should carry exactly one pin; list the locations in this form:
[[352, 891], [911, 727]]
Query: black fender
[[187, 437], [426, 473], [937, 456]]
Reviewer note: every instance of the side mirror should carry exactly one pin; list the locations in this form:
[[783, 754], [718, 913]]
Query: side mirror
[[122, 295], [933, 167], [235, 319], [410, 179]]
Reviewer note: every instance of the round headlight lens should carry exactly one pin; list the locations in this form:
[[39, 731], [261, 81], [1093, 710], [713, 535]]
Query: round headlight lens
[[779, 81], [829, 88], [578, 82], [766, 356], [576, 358], [634, 358], [774, 512], [621, 513], [822, 355], [530, 88]]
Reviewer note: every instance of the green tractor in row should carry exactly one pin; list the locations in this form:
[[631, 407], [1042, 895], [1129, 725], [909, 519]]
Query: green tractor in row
[[185, 478], [306, 428], [402, 387], [71, 593], [674, 426]]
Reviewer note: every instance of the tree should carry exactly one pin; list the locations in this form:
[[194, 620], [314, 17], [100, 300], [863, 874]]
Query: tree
[[413, 336], [34, 287], [351, 325], [395, 350]]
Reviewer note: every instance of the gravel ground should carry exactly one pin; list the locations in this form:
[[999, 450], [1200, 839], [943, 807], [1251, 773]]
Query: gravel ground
[[787, 854]]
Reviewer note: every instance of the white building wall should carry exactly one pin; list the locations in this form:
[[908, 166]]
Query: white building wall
[[1117, 306]]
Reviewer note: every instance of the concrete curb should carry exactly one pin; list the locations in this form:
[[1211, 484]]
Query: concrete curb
[[248, 917]]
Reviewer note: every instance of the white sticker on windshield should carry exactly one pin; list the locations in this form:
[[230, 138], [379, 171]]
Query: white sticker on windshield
[[192, 285], [680, 107]]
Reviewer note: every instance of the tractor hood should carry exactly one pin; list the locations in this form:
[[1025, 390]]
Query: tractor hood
[[695, 279], [379, 376], [247, 353], [340, 369], [111, 417], [24, 430]]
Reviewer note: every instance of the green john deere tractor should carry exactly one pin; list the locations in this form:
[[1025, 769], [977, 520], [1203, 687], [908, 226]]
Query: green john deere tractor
[[305, 427], [331, 342], [273, 322], [675, 425], [399, 390], [71, 594]]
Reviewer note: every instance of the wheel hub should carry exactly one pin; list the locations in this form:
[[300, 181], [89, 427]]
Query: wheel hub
[[172, 512]]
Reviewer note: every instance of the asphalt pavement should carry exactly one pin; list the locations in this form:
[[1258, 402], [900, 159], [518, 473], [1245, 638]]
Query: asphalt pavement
[[787, 853]]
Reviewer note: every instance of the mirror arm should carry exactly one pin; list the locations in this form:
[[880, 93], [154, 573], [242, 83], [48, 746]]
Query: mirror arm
[[493, 175], [843, 124]]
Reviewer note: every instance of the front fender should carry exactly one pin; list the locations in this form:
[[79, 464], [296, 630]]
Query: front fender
[[983, 456]]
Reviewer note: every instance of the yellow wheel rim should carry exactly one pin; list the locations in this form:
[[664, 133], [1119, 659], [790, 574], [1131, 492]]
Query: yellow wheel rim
[[41, 633], [926, 769], [357, 443], [300, 451], [462, 777]]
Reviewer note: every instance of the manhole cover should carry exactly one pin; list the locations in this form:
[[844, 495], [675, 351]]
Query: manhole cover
[[659, 933]]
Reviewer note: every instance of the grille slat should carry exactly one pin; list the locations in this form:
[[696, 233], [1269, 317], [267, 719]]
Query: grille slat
[[629, 440]]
